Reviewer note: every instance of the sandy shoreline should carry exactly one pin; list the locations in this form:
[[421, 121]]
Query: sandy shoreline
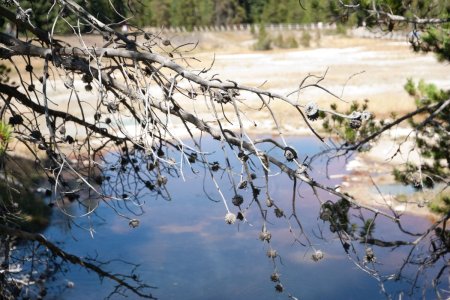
[[371, 181]]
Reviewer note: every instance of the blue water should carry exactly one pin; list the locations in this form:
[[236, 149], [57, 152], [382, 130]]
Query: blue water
[[395, 189], [184, 248]]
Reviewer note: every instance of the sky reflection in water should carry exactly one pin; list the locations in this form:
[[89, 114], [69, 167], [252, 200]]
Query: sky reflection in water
[[185, 248]]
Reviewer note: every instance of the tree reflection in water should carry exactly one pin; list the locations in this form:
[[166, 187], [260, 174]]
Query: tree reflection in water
[[182, 244]]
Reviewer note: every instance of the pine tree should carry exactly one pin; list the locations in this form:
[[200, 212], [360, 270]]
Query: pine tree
[[228, 12]]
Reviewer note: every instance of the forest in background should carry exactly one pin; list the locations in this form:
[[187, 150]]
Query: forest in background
[[190, 13]]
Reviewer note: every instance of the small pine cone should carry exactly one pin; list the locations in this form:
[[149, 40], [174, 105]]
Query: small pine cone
[[275, 277], [279, 212], [355, 123], [237, 200], [317, 255], [265, 236], [134, 223], [272, 253], [290, 154], [230, 218], [312, 111]]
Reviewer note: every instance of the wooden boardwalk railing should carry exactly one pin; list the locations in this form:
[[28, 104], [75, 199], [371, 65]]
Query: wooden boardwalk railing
[[360, 32]]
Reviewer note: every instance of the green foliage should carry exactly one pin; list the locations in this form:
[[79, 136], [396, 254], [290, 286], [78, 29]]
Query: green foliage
[[410, 87], [290, 11], [337, 215], [350, 134], [436, 40], [285, 43], [278, 41], [319, 9], [410, 174], [253, 10], [427, 38], [183, 13], [351, 130], [5, 136], [367, 229], [189, 13], [341, 29], [252, 30], [109, 11], [305, 39], [291, 42], [440, 204], [274, 11], [43, 14], [426, 93], [431, 141], [264, 41], [228, 12]]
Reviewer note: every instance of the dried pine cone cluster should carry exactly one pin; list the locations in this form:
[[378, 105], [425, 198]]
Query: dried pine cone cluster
[[357, 118], [312, 111]]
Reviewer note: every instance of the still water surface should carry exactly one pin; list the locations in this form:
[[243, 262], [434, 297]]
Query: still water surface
[[186, 250]]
